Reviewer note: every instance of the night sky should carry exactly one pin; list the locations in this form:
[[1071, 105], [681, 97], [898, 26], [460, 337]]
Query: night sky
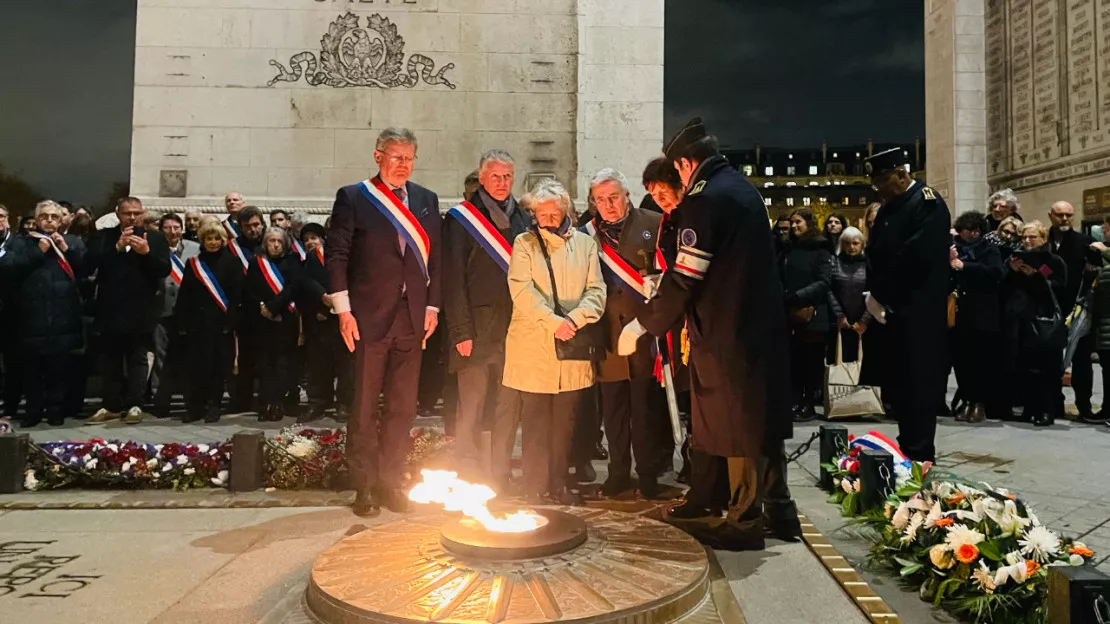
[[786, 73]]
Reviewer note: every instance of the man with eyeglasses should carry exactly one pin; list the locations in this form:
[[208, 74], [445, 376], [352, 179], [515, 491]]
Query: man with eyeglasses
[[383, 262], [1074, 248]]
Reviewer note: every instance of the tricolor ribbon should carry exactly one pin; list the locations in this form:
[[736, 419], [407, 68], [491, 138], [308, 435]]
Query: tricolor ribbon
[[299, 248], [274, 278], [483, 231], [231, 228], [177, 268], [590, 228], [320, 254], [619, 268], [661, 265], [204, 274], [240, 253], [401, 217], [879, 442], [61, 257]]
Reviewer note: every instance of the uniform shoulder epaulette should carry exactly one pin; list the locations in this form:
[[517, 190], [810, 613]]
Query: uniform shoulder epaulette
[[929, 194], [699, 187]]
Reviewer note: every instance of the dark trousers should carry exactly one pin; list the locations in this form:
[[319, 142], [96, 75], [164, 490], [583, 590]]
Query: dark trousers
[[45, 380], [708, 480], [331, 367], [377, 443], [168, 358], [1083, 372], [587, 427], [245, 368], [503, 433], [13, 376], [975, 363], [481, 404], [636, 424], [276, 363], [210, 358], [547, 424], [1039, 389], [124, 369], [807, 365]]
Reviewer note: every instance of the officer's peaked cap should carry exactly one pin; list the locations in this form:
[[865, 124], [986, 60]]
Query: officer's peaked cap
[[681, 142], [885, 161]]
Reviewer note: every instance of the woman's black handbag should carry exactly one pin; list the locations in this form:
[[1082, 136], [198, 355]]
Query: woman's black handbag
[[588, 343], [1050, 332]]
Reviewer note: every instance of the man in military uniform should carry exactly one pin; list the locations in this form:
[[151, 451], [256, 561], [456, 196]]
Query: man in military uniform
[[725, 283], [908, 281]]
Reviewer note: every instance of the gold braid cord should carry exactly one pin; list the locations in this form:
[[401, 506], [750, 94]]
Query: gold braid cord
[[685, 346]]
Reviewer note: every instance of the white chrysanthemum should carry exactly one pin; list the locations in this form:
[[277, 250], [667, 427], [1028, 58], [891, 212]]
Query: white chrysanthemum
[[1040, 544], [910, 533], [902, 475], [303, 447], [961, 535], [90, 464], [901, 517], [190, 471], [29, 480], [919, 504]]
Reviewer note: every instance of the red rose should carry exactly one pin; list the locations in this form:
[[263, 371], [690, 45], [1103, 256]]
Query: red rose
[[329, 438], [169, 451], [307, 433], [335, 456], [853, 452], [191, 451]]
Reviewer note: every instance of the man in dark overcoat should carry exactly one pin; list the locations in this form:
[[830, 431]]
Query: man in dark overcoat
[[908, 276], [725, 283]]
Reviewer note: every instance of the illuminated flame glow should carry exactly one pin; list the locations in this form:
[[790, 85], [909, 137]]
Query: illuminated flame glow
[[446, 488]]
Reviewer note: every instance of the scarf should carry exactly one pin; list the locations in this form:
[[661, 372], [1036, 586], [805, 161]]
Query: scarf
[[611, 232], [499, 212], [563, 231]]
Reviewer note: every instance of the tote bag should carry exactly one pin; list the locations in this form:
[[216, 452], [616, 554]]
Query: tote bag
[[844, 396]]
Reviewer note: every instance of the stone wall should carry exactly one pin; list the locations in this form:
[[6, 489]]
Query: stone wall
[[564, 85]]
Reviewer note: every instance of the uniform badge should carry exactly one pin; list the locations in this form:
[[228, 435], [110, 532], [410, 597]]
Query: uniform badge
[[688, 237], [928, 194], [647, 235], [697, 188]]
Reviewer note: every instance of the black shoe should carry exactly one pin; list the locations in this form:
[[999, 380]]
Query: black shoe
[[614, 487], [584, 473], [1043, 420], [191, 416], [315, 412], [690, 511], [212, 415], [600, 454], [396, 501], [804, 413], [1095, 418], [649, 487], [569, 499], [342, 413], [55, 420], [365, 506], [785, 529]]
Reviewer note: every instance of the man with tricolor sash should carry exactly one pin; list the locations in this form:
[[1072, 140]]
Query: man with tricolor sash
[[383, 263], [725, 283], [245, 247], [233, 201], [169, 348], [633, 402], [477, 243]]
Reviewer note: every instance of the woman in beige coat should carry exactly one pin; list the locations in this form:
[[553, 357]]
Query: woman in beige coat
[[550, 389]]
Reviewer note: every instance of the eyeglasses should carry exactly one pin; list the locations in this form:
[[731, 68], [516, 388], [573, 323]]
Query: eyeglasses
[[398, 160]]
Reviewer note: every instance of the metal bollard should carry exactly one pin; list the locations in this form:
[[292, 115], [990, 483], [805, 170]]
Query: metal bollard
[[876, 474], [247, 470], [13, 461], [834, 438], [1078, 595]]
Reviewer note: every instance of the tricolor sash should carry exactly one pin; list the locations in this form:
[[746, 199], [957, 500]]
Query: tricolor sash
[[231, 228], [483, 231], [61, 257], [204, 274], [879, 442], [621, 270], [401, 217], [299, 248], [320, 254], [590, 228], [240, 253], [177, 268], [274, 278]]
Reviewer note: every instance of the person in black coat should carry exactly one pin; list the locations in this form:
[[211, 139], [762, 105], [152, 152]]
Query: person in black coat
[[908, 251], [977, 273], [130, 264], [268, 305], [834, 227], [479, 308], [45, 267], [208, 321], [9, 351], [806, 269], [245, 245], [1034, 330], [847, 283], [1074, 248]]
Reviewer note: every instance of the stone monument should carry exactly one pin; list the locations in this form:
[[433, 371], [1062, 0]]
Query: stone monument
[[281, 99]]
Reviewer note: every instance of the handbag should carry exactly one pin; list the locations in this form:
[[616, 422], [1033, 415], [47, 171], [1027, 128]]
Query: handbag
[[588, 343], [953, 306], [1050, 332], [844, 396]]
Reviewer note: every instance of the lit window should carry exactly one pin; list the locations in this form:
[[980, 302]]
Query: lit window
[[813, 170], [791, 156], [805, 201], [857, 154], [813, 184], [767, 201], [792, 184], [862, 201], [834, 155], [769, 171], [846, 200], [823, 200], [905, 153], [790, 171], [768, 184], [789, 201], [748, 170]]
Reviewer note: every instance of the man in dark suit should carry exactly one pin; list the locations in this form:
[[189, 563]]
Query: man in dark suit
[[131, 264], [383, 265], [479, 308]]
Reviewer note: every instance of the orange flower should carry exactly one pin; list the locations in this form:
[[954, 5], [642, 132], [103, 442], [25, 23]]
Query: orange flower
[[967, 553], [1031, 567], [1082, 551], [945, 522], [956, 500]]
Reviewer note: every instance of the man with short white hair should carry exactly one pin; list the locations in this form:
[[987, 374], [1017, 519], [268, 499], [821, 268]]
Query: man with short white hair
[[477, 237], [233, 201]]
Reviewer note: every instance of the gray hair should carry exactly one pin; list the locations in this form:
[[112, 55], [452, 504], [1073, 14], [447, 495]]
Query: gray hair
[[550, 190], [609, 174], [1006, 195], [47, 203], [273, 229], [851, 232], [298, 219], [495, 155], [395, 135]]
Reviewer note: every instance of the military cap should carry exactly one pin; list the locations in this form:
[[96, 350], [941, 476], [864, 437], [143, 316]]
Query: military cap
[[886, 161], [681, 142]]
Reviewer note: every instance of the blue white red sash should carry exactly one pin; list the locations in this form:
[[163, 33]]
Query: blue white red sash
[[621, 270], [401, 217], [231, 228], [177, 268], [240, 253], [274, 278], [320, 254], [590, 228], [204, 274], [877, 441], [299, 248], [61, 257], [483, 231]]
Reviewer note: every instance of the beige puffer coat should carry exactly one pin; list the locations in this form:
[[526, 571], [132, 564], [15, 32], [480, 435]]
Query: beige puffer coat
[[530, 363]]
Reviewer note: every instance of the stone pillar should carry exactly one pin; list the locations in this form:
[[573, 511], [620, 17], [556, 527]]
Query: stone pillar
[[955, 96], [620, 88]]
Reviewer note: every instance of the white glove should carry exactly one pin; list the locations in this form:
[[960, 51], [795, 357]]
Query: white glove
[[875, 308], [626, 344], [651, 284]]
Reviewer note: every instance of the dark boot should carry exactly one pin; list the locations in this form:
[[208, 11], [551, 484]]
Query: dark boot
[[365, 506]]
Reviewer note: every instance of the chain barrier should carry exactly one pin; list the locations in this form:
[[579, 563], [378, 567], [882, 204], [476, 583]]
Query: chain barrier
[[803, 448]]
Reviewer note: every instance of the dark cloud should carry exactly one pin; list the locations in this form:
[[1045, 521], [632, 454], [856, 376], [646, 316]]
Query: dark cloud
[[795, 72]]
